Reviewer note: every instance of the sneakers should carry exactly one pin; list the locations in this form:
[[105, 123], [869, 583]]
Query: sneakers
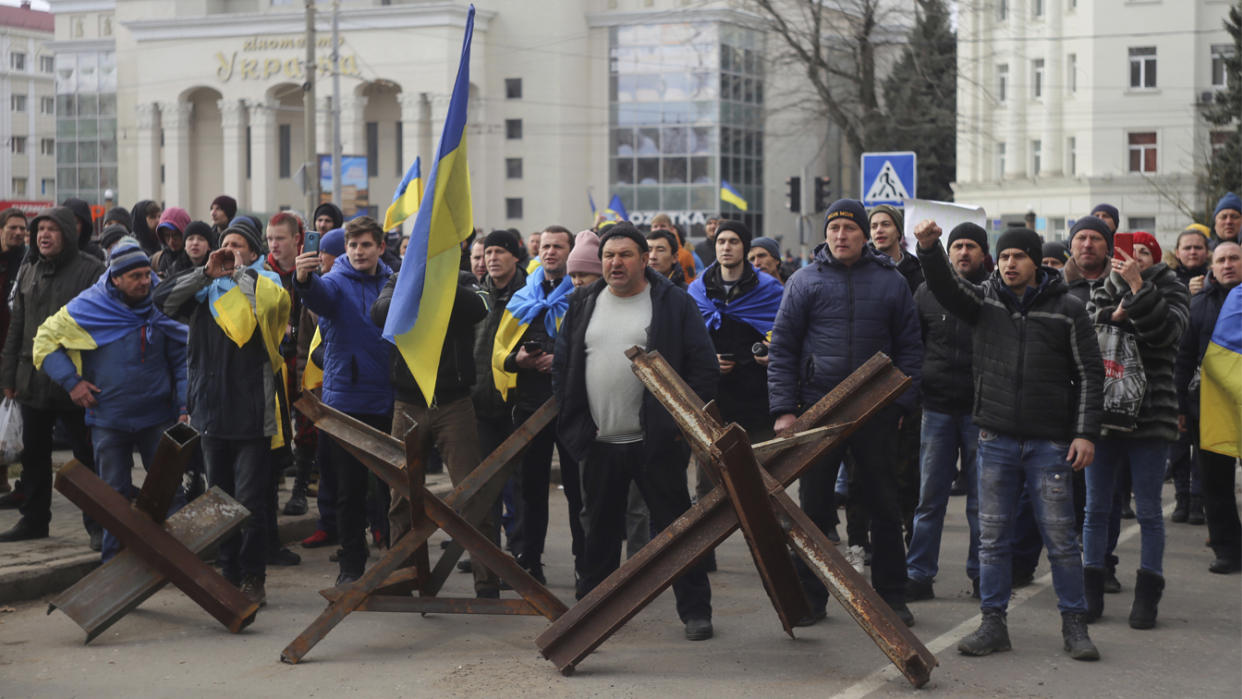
[[347, 577], [992, 636], [252, 588], [903, 612], [919, 590], [1077, 643], [297, 501], [318, 539], [25, 531], [284, 557], [698, 629]]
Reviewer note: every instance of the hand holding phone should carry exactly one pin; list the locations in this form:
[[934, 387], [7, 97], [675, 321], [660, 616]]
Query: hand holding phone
[[1123, 242], [311, 243]]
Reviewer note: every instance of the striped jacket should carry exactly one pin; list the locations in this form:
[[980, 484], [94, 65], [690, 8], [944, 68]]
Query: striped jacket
[[1037, 370]]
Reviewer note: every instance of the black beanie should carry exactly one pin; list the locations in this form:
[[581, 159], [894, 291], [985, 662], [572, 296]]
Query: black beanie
[[664, 234], [1111, 211], [329, 209], [227, 204], [1091, 223], [1057, 249], [1024, 239], [737, 227], [624, 229], [503, 239], [120, 214], [111, 234], [201, 228], [246, 228], [972, 231], [851, 209]]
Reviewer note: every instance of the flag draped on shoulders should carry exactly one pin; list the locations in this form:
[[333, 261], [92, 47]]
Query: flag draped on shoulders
[[522, 310], [756, 308], [1220, 392], [97, 317], [423, 298]]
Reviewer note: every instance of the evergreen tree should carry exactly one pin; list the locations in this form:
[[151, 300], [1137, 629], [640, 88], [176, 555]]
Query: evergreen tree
[[1224, 169]]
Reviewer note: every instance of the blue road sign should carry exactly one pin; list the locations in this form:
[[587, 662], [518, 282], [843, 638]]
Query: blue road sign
[[887, 178]]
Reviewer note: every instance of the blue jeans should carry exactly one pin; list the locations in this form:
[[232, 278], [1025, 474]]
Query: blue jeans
[[1146, 458], [114, 457], [1005, 463], [944, 437]]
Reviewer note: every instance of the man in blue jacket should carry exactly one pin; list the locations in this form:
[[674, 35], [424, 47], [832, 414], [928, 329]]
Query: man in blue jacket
[[356, 365], [123, 362], [848, 304]]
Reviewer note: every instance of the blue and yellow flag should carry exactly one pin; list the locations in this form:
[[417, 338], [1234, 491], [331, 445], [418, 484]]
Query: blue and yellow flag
[[520, 312], [727, 193], [616, 210], [406, 199], [423, 298], [1220, 392]]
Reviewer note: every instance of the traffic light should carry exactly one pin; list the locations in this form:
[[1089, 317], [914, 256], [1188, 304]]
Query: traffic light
[[822, 193], [793, 194]]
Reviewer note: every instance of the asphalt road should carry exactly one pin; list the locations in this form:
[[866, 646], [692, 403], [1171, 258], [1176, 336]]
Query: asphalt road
[[169, 647]]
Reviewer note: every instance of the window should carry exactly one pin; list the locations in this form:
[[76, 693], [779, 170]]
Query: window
[[18, 144], [1037, 155], [284, 134], [17, 60], [1002, 10], [1000, 160], [513, 129], [513, 168], [373, 148], [1071, 156], [513, 88], [1143, 151], [1142, 223], [47, 105], [17, 102], [47, 64], [1143, 67], [1037, 78], [1037, 8], [1002, 82], [1071, 73], [47, 187], [513, 207], [19, 186], [1220, 53], [47, 146]]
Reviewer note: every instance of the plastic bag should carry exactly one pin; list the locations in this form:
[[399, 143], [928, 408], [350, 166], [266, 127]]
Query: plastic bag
[[1125, 383], [10, 431]]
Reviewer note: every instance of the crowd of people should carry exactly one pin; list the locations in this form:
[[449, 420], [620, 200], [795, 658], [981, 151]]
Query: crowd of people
[[224, 323]]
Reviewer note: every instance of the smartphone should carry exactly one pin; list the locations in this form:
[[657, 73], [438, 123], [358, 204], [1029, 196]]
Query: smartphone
[[728, 356], [312, 242], [532, 347], [1124, 241]]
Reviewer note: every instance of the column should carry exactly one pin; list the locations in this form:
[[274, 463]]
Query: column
[[263, 154], [353, 125], [148, 151], [1054, 64], [233, 142], [323, 122], [175, 117]]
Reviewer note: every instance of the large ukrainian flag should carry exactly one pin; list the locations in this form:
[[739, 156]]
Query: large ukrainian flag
[[423, 298], [1220, 392], [406, 199]]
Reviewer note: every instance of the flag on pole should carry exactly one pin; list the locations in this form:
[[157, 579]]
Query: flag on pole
[[727, 193], [423, 298], [591, 201], [616, 210], [406, 199]]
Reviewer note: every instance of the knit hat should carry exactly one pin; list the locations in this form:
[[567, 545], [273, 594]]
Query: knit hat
[[329, 209], [851, 209], [967, 230], [899, 218], [1148, 241], [120, 214], [1024, 239], [1229, 201], [665, 235], [175, 217], [1091, 223], [111, 235], [504, 239], [584, 258], [227, 204], [741, 229], [1111, 211], [1057, 249], [203, 230], [623, 229], [125, 258], [333, 242], [246, 228], [1200, 229], [773, 248]]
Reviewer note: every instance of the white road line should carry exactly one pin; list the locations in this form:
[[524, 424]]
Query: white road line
[[881, 677]]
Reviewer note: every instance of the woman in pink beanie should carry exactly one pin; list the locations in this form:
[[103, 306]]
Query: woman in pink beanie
[[583, 263]]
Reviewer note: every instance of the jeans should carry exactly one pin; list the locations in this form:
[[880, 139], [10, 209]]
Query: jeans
[[606, 475], [944, 437], [37, 426], [241, 467], [352, 482], [1005, 463], [1146, 462], [114, 455]]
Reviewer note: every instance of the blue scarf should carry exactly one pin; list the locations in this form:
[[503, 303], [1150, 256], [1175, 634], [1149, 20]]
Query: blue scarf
[[756, 308], [102, 313], [531, 300]]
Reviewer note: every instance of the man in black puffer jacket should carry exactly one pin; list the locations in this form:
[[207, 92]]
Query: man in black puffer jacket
[[1038, 404]]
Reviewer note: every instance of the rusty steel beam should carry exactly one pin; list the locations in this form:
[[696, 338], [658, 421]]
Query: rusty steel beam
[[438, 605], [641, 578], [199, 581], [164, 477], [768, 449], [118, 587]]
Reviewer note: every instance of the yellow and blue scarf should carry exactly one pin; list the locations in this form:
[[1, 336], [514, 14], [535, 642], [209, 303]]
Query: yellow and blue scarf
[[521, 311]]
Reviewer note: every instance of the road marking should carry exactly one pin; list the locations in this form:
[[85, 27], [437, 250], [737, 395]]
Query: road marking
[[879, 678]]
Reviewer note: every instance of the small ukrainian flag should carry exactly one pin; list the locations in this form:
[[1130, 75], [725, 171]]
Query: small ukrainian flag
[[727, 193]]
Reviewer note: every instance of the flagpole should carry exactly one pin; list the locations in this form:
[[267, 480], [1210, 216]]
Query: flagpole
[[336, 103]]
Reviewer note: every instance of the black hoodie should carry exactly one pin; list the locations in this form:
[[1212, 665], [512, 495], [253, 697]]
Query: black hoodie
[[86, 226]]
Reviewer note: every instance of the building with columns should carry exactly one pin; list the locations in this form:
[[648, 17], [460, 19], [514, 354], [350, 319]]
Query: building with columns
[[1064, 104], [27, 106]]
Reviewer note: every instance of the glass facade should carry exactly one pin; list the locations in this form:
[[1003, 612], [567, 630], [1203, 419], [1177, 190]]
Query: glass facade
[[686, 112], [86, 126]]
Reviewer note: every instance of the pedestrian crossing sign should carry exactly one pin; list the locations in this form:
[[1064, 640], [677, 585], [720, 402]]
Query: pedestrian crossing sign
[[889, 178]]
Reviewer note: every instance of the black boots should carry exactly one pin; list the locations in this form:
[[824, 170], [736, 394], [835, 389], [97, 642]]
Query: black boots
[[1194, 514], [1181, 510], [1093, 591], [992, 636], [1148, 587], [1077, 643]]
